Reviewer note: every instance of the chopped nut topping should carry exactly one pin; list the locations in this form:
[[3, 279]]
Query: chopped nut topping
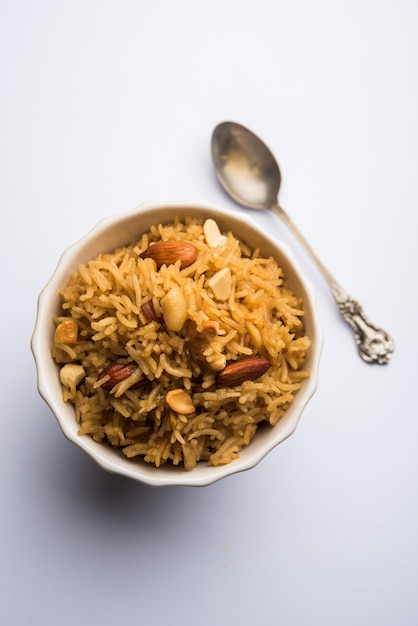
[[71, 375], [213, 235], [66, 332], [174, 308], [238, 372], [168, 252], [180, 401], [116, 373], [221, 283], [148, 310]]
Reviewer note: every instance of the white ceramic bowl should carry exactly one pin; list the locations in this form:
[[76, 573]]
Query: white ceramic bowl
[[117, 231]]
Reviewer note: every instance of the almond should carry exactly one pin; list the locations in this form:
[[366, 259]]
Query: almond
[[238, 372], [168, 252], [118, 372], [148, 310]]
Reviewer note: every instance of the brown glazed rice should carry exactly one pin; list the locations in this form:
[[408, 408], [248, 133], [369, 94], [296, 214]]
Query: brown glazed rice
[[113, 313]]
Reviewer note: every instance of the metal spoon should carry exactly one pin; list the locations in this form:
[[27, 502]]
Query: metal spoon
[[249, 173]]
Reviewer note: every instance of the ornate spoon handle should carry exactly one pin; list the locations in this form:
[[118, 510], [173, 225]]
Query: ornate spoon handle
[[374, 344]]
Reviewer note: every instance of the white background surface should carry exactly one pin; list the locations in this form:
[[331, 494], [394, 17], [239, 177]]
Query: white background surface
[[105, 105]]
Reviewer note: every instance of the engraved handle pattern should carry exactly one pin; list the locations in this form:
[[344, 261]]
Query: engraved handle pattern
[[374, 344]]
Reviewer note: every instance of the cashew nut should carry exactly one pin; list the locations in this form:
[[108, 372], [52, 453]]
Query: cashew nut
[[66, 332], [220, 283], [212, 234], [174, 308], [180, 401], [71, 375]]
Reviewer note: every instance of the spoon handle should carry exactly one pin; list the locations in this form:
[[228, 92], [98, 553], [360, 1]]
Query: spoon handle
[[374, 344]]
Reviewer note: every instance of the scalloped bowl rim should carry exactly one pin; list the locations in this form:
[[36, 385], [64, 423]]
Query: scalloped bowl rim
[[116, 230]]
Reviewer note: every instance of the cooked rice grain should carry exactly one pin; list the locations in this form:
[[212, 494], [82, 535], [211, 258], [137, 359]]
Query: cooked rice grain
[[261, 317]]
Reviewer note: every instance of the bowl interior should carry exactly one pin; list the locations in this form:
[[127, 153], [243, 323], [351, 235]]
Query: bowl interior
[[118, 231]]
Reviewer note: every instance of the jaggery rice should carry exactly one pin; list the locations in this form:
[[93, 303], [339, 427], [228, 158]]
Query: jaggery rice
[[142, 345]]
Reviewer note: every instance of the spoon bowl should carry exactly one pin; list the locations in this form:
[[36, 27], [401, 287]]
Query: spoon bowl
[[250, 174], [245, 166]]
